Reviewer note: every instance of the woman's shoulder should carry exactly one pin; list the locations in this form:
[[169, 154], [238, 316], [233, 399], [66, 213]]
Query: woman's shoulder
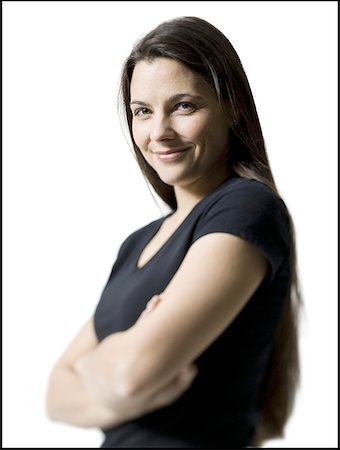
[[252, 211], [246, 195], [246, 186]]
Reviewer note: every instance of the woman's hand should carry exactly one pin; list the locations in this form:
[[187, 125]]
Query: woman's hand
[[95, 369]]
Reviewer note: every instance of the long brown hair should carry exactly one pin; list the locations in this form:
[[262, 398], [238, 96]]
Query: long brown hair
[[205, 50]]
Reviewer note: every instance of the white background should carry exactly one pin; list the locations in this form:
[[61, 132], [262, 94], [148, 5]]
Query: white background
[[72, 190]]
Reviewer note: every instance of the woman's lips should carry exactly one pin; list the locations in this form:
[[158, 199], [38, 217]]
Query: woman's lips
[[171, 155]]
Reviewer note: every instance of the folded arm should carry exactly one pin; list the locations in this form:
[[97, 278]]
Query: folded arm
[[146, 367], [84, 388], [67, 398]]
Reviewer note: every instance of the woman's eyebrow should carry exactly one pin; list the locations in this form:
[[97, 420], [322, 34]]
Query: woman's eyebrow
[[171, 99], [177, 97]]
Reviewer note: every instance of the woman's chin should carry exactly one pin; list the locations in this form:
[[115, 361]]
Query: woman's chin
[[172, 180]]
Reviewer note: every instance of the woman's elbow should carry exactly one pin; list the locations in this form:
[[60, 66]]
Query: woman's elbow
[[61, 393], [51, 397]]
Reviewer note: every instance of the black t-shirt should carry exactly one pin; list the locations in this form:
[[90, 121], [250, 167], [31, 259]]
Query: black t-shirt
[[221, 407]]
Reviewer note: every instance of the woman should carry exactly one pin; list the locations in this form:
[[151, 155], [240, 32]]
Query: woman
[[194, 341]]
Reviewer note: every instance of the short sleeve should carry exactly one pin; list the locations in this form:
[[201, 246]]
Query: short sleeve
[[252, 211]]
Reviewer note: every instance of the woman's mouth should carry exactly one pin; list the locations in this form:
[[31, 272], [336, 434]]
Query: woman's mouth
[[171, 155]]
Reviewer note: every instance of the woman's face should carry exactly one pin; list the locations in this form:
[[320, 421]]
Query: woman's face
[[178, 124]]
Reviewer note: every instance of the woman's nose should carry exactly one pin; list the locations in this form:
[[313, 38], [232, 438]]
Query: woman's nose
[[161, 128]]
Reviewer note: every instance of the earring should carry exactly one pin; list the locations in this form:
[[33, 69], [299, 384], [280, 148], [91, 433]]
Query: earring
[[235, 122]]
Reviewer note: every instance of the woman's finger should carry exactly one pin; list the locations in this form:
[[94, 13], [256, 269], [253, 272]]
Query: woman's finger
[[153, 302], [150, 306]]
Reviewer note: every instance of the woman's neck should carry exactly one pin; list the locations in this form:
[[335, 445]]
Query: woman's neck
[[187, 196]]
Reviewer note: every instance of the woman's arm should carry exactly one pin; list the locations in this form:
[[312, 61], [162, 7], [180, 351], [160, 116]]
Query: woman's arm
[[67, 399], [214, 282], [216, 279], [77, 378]]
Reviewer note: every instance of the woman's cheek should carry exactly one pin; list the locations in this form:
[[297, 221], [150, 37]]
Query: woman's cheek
[[193, 127], [138, 136]]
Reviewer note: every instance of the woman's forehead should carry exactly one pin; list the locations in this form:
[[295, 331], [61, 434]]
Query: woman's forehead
[[165, 76]]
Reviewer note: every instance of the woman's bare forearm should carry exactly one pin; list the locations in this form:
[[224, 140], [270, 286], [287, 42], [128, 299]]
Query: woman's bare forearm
[[67, 397], [74, 405], [87, 387]]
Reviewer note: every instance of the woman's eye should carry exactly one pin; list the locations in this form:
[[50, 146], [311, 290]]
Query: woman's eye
[[141, 111], [186, 106]]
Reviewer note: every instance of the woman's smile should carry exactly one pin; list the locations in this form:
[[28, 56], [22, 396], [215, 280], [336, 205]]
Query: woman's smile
[[171, 155]]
